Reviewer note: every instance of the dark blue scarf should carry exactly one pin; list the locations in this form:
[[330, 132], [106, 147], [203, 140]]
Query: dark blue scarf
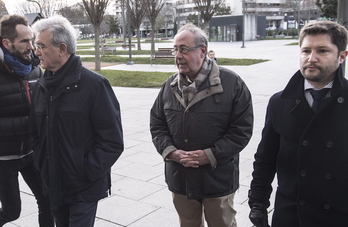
[[17, 67]]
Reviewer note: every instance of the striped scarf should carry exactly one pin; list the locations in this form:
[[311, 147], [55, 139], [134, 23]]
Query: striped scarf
[[189, 89]]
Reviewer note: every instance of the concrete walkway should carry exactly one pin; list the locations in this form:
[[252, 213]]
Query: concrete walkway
[[140, 197]]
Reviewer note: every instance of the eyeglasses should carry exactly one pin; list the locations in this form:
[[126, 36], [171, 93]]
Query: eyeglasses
[[185, 50], [39, 46]]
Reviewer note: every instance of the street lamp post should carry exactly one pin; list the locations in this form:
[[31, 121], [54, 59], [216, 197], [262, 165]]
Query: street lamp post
[[243, 27], [299, 16], [130, 62]]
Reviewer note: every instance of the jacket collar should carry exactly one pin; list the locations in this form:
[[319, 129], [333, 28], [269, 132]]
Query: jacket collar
[[70, 73], [211, 87], [295, 90], [35, 62], [213, 77]]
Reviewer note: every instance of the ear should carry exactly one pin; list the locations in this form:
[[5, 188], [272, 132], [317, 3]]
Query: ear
[[63, 48], [204, 51], [343, 56], [6, 43]]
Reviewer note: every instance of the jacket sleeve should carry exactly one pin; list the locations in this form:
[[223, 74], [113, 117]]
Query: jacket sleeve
[[106, 120], [160, 132], [265, 162]]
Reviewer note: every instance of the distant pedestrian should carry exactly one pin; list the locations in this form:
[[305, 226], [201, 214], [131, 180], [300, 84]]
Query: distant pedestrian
[[200, 121], [304, 139], [211, 55], [77, 126]]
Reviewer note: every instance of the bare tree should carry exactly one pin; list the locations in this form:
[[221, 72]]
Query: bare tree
[[47, 8], [168, 16], [3, 10], [137, 13], [152, 9], [206, 10], [295, 7], [123, 5], [95, 10], [75, 14]]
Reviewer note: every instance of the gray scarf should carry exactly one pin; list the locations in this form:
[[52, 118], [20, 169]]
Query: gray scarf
[[189, 89]]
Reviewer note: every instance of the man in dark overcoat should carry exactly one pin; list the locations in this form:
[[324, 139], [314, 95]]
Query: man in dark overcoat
[[304, 139], [200, 121], [76, 126]]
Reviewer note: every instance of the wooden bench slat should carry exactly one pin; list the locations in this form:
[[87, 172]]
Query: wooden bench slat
[[111, 49], [124, 46], [163, 53]]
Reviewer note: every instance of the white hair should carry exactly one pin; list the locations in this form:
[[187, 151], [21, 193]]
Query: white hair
[[61, 31]]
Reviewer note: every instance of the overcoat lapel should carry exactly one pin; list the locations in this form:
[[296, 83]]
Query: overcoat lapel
[[294, 95]]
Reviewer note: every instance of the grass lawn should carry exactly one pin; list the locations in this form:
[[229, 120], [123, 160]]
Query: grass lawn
[[122, 78], [143, 79], [146, 60]]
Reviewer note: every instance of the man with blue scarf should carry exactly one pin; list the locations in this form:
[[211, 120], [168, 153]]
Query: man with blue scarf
[[19, 71]]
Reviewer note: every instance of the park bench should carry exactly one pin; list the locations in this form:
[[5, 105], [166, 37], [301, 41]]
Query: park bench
[[111, 49], [126, 46], [162, 53]]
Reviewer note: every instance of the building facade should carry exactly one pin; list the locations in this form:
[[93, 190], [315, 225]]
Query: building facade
[[259, 14]]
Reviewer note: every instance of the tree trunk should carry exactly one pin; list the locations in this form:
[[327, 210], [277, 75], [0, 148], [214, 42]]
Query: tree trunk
[[138, 35], [124, 26], [205, 27], [152, 41], [97, 47]]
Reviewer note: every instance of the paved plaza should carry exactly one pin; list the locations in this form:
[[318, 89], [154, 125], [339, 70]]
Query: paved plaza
[[140, 197]]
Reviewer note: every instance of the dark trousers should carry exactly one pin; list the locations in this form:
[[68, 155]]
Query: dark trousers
[[10, 195], [77, 214]]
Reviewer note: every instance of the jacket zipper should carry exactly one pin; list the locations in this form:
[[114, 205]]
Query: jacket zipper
[[27, 89]]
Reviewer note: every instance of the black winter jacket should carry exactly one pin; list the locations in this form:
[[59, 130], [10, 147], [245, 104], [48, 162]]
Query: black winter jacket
[[15, 98], [77, 134], [218, 119], [309, 153]]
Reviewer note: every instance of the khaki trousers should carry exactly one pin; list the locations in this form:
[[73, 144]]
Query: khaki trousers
[[218, 212]]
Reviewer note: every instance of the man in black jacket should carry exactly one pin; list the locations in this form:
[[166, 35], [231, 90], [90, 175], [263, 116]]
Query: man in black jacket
[[77, 126], [18, 73], [304, 140], [200, 121]]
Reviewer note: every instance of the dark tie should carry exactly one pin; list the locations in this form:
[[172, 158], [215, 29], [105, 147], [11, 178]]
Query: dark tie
[[318, 95]]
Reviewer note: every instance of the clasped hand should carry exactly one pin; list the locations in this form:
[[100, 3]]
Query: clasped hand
[[189, 158]]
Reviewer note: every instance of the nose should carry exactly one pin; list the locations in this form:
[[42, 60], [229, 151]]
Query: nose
[[178, 54], [37, 52], [31, 46], [312, 57]]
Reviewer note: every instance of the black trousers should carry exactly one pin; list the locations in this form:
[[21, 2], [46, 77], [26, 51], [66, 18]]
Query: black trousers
[[10, 195], [78, 214]]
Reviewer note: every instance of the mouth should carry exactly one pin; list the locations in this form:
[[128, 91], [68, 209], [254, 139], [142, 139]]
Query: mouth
[[27, 54], [311, 67]]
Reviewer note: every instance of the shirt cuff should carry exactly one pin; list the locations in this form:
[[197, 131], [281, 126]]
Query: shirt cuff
[[166, 152], [211, 157]]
